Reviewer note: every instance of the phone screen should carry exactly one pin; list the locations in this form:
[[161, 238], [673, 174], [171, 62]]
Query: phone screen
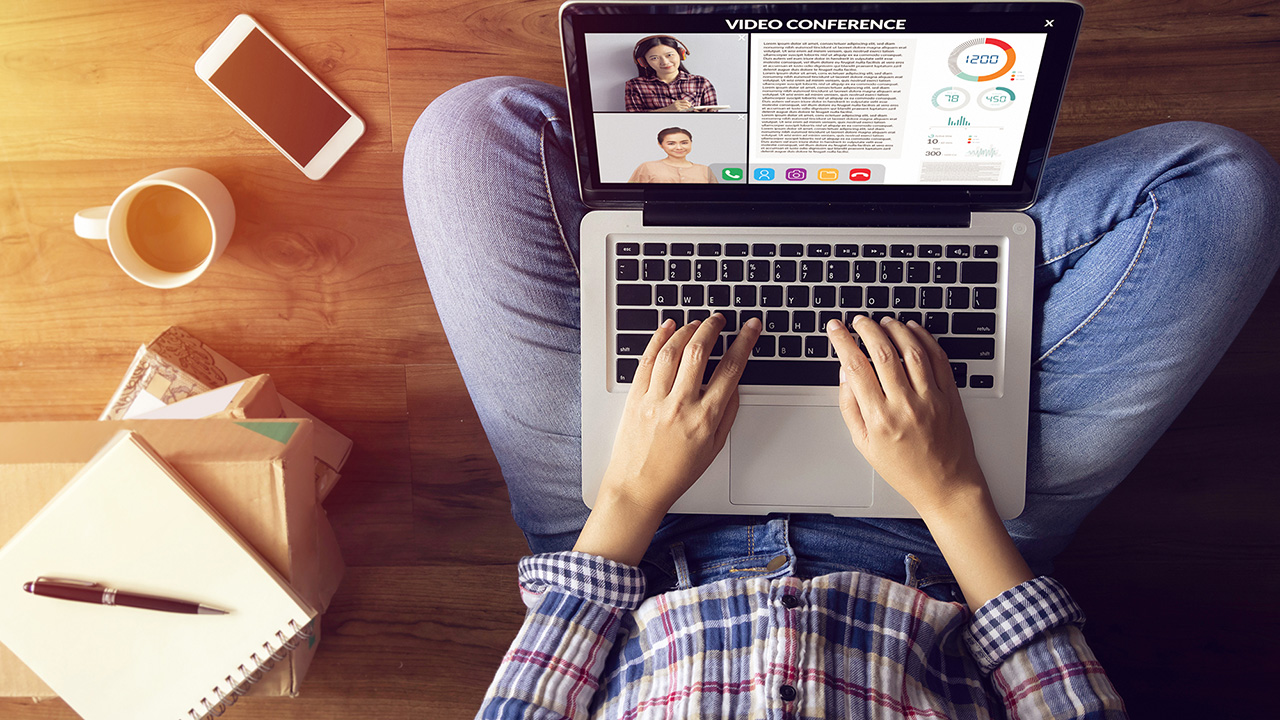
[[281, 98]]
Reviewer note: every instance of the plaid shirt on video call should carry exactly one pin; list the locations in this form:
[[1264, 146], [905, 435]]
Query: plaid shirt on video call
[[650, 93], [846, 645]]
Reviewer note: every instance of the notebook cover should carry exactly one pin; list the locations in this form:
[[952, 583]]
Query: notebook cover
[[128, 521]]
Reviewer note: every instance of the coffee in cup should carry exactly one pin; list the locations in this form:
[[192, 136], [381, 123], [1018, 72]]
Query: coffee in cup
[[166, 229]]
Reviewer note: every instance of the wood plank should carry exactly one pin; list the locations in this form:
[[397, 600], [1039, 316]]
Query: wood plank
[[84, 79]]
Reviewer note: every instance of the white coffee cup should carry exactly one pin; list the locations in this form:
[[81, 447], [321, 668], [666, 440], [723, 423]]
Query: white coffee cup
[[154, 231]]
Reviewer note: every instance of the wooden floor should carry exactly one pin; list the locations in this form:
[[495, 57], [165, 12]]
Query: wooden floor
[[321, 287]]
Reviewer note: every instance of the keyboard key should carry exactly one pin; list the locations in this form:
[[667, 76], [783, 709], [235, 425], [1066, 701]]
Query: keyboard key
[[818, 250], [797, 296], [931, 297], [811, 271], [634, 295], [628, 270], [730, 320], [982, 381], [777, 321], [746, 315], [937, 323], [676, 315], [682, 249], [816, 346], [873, 251], [678, 270], [918, 271], [877, 297], [850, 296], [708, 249], [930, 251], [792, 250], [763, 250], [878, 316], [969, 348], [944, 273], [904, 297], [744, 295], [824, 296], [758, 271], [718, 296], [803, 321], [666, 295], [655, 248], [701, 314], [628, 248], [906, 317], [790, 346], [827, 316], [705, 271], [957, 251], [864, 271], [771, 296], [838, 271], [814, 373], [731, 270], [961, 373], [691, 295], [969, 323], [736, 249], [655, 270], [638, 320], [986, 251], [629, 344], [627, 369], [978, 271], [984, 298], [957, 298], [718, 348], [764, 347], [891, 271], [784, 271], [902, 251], [846, 251]]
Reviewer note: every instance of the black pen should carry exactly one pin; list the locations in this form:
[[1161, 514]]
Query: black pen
[[82, 591]]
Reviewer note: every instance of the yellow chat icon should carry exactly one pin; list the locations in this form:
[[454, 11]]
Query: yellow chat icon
[[828, 174]]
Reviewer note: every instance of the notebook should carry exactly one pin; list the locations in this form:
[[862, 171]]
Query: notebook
[[128, 521], [841, 159]]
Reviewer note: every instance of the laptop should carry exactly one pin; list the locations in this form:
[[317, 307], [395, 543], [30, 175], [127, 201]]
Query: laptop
[[799, 162]]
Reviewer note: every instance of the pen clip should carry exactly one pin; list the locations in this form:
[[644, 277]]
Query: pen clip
[[67, 581]]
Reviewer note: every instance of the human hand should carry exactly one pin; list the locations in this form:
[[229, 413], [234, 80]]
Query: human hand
[[672, 428], [681, 105], [908, 422]]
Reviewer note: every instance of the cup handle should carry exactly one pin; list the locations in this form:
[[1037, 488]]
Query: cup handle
[[91, 224]]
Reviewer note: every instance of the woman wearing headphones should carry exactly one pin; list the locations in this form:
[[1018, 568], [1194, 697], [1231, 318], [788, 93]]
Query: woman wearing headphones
[[676, 167], [663, 84]]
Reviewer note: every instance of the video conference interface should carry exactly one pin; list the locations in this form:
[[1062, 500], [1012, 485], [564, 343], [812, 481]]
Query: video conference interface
[[819, 108]]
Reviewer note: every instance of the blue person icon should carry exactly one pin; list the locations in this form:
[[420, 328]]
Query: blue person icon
[[763, 174]]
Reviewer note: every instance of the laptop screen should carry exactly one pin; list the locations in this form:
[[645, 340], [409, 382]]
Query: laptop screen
[[885, 102]]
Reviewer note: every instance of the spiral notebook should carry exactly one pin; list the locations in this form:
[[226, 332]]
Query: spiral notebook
[[128, 521]]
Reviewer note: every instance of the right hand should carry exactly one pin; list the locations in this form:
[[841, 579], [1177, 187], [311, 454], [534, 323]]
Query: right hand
[[905, 414], [681, 105]]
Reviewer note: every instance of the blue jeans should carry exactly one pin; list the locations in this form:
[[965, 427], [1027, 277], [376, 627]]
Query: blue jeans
[[1154, 248]]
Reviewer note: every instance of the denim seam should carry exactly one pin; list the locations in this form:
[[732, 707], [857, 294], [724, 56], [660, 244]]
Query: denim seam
[[1107, 300], [1070, 252], [546, 183]]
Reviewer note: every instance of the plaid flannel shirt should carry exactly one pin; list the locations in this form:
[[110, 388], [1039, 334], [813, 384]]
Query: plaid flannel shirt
[[843, 645], [644, 94]]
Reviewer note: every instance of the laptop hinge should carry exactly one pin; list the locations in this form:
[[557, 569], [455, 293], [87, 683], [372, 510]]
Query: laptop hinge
[[802, 214]]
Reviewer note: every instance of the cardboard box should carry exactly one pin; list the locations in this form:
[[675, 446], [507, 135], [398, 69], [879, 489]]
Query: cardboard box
[[175, 365], [256, 398], [255, 473]]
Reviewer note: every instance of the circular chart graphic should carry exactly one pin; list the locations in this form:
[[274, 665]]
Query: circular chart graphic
[[997, 98], [950, 98], [981, 59]]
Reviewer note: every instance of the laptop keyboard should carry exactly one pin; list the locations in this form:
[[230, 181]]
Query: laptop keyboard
[[950, 286]]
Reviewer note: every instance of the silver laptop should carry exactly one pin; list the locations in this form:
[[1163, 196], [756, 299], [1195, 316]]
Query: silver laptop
[[837, 159]]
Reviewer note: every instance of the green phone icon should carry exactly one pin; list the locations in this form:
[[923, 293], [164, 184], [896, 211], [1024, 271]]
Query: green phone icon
[[731, 174]]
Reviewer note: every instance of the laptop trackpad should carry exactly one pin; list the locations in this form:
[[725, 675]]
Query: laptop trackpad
[[793, 456]]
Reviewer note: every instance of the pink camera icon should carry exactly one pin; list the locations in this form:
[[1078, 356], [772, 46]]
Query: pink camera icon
[[796, 174]]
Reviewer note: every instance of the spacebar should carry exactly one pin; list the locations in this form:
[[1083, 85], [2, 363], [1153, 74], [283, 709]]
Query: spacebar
[[785, 372]]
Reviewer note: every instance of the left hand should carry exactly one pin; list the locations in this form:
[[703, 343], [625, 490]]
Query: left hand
[[672, 428]]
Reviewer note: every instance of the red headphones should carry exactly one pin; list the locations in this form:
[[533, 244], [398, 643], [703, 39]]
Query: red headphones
[[644, 65]]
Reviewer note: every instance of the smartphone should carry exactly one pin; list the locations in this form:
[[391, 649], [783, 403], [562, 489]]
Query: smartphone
[[279, 97]]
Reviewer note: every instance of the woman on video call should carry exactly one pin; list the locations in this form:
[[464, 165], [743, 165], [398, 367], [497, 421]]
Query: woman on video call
[[675, 167], [663, 84]]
